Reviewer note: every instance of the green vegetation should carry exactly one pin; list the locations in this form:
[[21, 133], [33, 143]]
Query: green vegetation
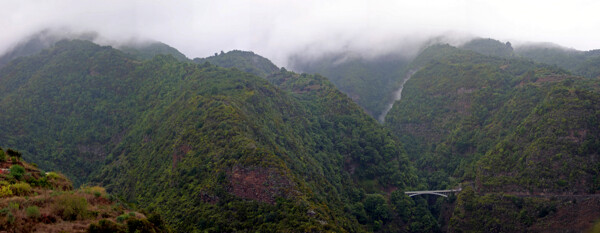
[[40, 205], [241, 60], [232, 143], [369, 82], [468, 117], [17, 171], [489, 47], [2, 155], [498, 212], [148, 50], [212, 149], [71, 207], [33, 212], [507, 126], [584, 63]]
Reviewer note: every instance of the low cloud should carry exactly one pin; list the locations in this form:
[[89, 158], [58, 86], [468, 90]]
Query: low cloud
[[278, 29]]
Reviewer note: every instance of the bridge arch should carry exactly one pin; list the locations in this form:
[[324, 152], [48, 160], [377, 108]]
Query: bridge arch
[[431, 193], [442, 193]]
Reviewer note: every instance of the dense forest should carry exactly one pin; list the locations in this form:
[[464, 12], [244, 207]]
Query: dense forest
[[198, 143], [233, 143]]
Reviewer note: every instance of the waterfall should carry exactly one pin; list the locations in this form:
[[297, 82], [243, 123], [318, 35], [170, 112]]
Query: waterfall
[[397, 96]]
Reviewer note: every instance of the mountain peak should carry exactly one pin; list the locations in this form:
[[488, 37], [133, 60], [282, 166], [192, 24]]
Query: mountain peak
[[246, 61]]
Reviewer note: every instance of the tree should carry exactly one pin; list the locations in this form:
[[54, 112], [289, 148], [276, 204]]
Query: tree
[[17, 171], [14, 154], [376, 207], [2, 155]]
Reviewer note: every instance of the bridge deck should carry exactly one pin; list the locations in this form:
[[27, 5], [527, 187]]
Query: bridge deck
[[443, 193]]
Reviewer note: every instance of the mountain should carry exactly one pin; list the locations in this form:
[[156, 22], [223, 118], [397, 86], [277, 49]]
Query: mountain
[[489, 47], [232, 143], [243, 60], [35, 201], [210, 148], [148, 50], [48, 38], [521, 137], [370, 82], [584, 63], [36, 43]]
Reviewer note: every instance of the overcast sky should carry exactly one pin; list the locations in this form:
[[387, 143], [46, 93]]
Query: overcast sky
[[278, 28]]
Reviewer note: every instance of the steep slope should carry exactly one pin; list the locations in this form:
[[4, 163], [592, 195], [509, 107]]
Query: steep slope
[[508, 127], [446, 105], [148, 50], [489, 47], [37, 42], [67, 105], [212, 149], [230, 137], [34, 201], [243, 60], [370, 82], [584, 63]]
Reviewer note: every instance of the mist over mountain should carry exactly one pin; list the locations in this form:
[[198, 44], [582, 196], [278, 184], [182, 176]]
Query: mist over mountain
[[300, 116], [235, 135]]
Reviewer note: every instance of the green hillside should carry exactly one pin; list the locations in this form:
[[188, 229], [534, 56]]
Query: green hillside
[[370, 82], [462, 106], [583, 63], [232, 143], [66, 107], [489, 47], [35, 201], [210, 148], [243, 60], [505, 127], [147, 50]]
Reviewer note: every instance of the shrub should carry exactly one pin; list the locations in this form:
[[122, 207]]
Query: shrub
[[58, 181], [122, 218], [139, 225], [13, 206], [14, 154], [96, 190], [52, 175], [105, 226], [10, 218], [2, 156], [33, 212], [20, 189], [5, 191], [17, 171], [71, 207], [376, 207]]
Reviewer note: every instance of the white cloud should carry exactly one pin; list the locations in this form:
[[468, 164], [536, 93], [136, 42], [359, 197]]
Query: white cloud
[[276, 29]]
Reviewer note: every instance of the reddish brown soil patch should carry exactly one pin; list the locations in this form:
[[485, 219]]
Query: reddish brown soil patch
[[260, 184]]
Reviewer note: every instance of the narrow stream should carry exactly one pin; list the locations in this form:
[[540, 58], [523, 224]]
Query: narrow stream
[[397, 96]]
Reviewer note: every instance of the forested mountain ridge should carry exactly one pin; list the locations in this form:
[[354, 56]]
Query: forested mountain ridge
[[233, 143], [209, 148], [507, 127], [243, 60], [66, 106], [583, 63], [461, 105]]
